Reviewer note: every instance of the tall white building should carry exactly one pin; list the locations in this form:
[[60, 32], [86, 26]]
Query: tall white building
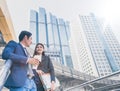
[[98, 49], [113, 48], [74, 41], [81, 55]]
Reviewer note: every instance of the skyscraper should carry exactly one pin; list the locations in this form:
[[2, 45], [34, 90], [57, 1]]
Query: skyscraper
[[98, 48], [52, 32], [113, 48], [34, 25]]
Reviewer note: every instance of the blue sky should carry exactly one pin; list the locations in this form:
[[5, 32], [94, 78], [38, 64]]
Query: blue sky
[[66, 9]]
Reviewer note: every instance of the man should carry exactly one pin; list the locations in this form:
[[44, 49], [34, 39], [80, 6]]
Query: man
[[20, 78]]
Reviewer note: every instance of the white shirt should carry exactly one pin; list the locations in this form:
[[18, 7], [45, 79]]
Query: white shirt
[[39, 58]]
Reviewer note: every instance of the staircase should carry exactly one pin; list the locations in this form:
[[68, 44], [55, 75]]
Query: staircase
[[1, 64]]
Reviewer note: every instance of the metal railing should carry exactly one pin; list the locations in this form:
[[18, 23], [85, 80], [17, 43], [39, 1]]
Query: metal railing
[[113, 85]]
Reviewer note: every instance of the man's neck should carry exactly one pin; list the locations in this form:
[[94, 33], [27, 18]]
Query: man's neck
[[23, 44]]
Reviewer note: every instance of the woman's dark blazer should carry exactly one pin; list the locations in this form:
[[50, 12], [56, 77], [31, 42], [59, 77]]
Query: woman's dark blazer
[[47, 67]]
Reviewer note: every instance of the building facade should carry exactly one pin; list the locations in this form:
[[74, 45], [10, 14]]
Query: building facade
[[113, 48], [54, 33], [6, 26], [98, 48]]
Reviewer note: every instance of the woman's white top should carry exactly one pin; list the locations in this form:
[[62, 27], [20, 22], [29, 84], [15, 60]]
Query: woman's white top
[[39, 58]]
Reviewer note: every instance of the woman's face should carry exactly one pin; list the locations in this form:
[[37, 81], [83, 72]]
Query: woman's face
[[39, 49]]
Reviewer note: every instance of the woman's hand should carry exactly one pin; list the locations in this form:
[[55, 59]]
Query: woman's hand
[[52, 86], [40, 72]]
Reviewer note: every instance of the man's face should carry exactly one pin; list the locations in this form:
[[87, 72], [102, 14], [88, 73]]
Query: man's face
[[28, 41]]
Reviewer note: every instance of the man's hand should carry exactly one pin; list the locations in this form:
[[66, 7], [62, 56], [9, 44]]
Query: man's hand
[[33, 61]]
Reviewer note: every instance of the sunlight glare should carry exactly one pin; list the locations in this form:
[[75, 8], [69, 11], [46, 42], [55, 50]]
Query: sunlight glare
[[111, 10]]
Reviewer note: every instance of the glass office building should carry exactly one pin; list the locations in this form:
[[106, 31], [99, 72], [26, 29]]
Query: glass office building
[[54, 33], [34, 25], [99, 52]]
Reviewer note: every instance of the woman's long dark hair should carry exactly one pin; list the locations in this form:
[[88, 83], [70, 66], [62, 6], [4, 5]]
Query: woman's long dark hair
[[35, 53]]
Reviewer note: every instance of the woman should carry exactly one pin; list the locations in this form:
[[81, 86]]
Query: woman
[[45, 66]]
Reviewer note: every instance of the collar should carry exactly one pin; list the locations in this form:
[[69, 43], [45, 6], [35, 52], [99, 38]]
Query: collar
[[23, 45]]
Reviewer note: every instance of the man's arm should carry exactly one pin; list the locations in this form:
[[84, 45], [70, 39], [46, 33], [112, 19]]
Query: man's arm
[[9, 48], [8, 53]]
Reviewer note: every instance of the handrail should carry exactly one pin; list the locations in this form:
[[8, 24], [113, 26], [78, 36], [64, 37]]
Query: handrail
[[4, 72], [92, 81], [105, 88]]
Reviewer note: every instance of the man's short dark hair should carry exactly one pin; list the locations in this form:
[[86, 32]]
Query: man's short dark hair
[[22, 35]]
